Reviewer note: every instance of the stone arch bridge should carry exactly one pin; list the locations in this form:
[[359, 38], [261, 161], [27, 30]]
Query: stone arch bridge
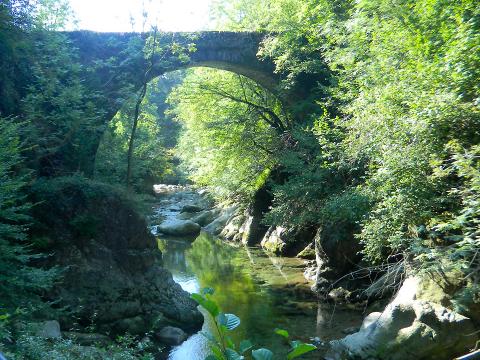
[[115, 66]]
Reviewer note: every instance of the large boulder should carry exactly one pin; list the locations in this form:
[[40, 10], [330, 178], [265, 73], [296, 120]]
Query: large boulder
[[409, 328], [48, 329], [175, 227], [192, 208], [233, 230], [337, 253], [286, 242], [113, 274], [206, 217], [171, 335], [253, 228], [216, 226]]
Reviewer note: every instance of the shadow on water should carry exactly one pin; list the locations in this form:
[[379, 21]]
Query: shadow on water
[[265, 292]]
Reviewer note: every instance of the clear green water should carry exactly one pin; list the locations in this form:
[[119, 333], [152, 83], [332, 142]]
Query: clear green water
[[265, 292]]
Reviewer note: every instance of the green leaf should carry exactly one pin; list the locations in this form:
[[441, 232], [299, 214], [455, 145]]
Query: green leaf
[[233, 355], [218, 352], [209, 305], [282, 332], [299, 350], [209, 336], [262, 354], [245, 345], [233, 321]]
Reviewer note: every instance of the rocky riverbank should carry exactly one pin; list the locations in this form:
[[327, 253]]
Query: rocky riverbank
[[416, 323], [113, 281]]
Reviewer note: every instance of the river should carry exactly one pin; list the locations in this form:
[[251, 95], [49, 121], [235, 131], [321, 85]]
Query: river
[[265, 291]]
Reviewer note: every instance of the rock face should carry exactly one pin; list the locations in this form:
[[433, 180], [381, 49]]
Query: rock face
[[49, 330], [113, 276], [171, 335], [233, 230], [286, 242], [253, 229], [409, 328], [179, 228], [217, 225], [337, 252], [206, 217]]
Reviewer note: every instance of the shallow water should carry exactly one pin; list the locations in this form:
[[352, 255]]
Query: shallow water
[[265, 292]]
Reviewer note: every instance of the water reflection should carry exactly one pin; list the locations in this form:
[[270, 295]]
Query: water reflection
[[264, 292]]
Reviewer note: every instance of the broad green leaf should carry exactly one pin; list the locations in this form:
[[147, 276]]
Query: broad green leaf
[[212, 357], [233, 355], [207, 304], [262, 354], [209, 336], [218, 352], [245, 345], [300, 350], [233, 321], [282, 332]]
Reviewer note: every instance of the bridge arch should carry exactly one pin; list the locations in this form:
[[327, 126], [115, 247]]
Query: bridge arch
[[116, 64]]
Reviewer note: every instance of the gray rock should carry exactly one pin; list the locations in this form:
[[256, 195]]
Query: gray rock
[[171, 335], [274, 241], [233, 230], [206, 217], [179, 228], [337, 253], [49, 330], [409, 328], [191, 208], [287, 241], [216, 226]]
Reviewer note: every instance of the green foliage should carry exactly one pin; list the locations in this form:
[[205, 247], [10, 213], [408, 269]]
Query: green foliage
[[222, 345], [155, 138], [228, 139], [30, 347], [21, 284], [403, 87], [59, 109]]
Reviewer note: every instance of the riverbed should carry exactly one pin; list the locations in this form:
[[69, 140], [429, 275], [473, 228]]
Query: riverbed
[[265, 291]]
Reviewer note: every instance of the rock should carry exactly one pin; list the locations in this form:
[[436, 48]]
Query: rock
[[274, 241], [308, 252], [206, 217], [88, 339], [253, 229], [49, 330], [216, 226], [133, 325], [350, 330], [287, 241], [339, 294], [186, 216], [191, 208], [233, 230], [171, 335], [310, 272], [409, 328], [337, 253], [113, 267], [179, 228]]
